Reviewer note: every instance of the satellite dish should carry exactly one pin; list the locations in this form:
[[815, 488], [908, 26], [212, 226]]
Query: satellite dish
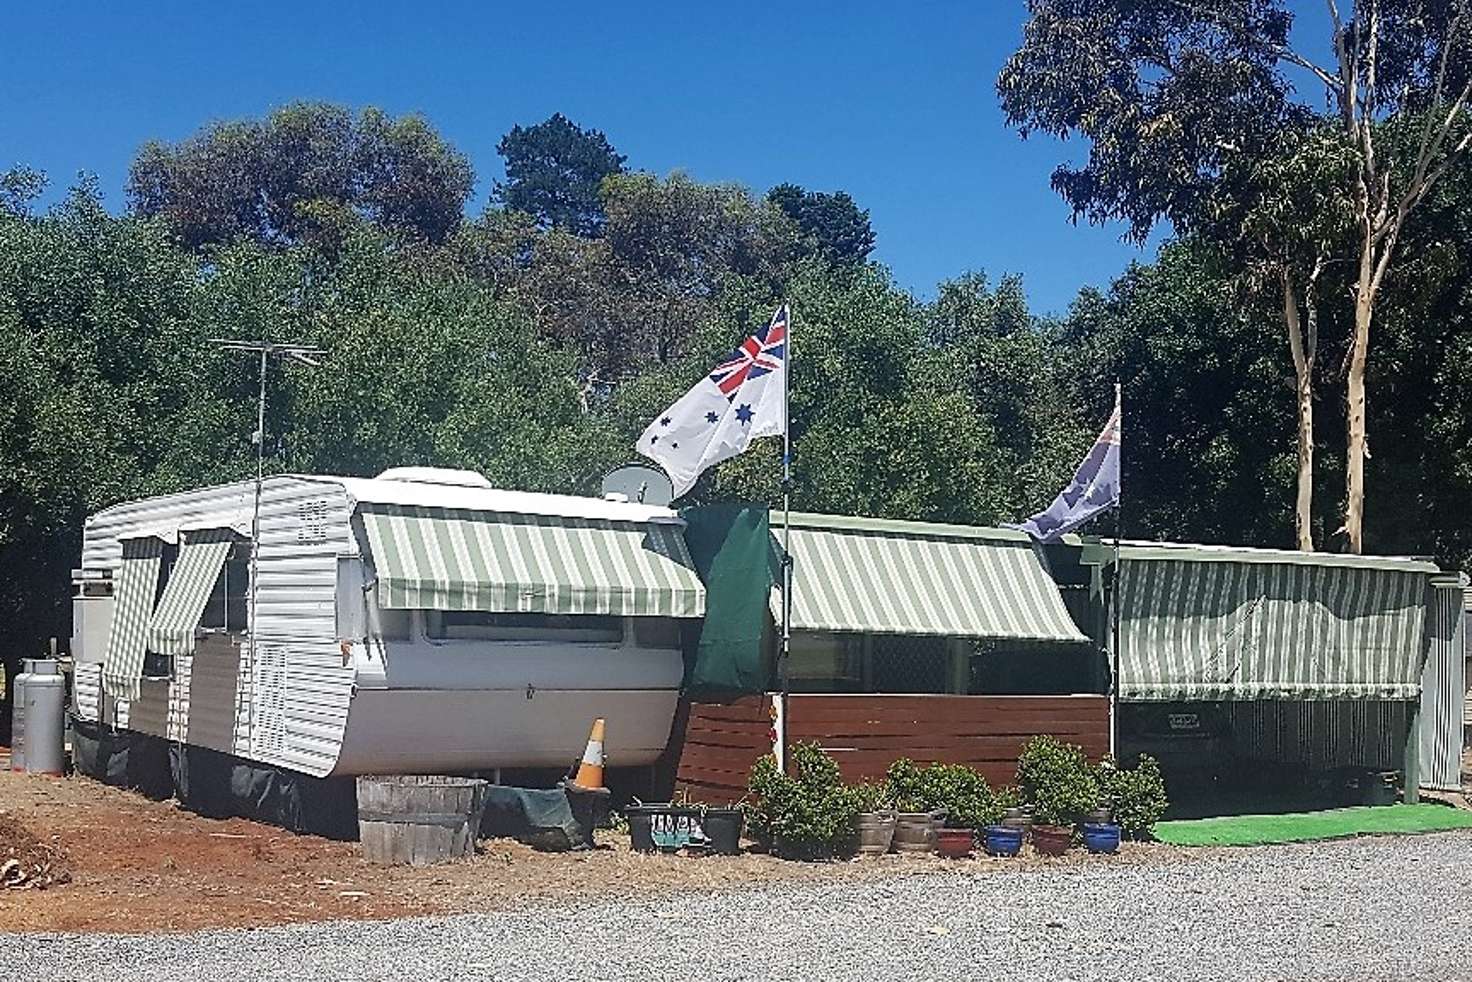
[[639, 484]]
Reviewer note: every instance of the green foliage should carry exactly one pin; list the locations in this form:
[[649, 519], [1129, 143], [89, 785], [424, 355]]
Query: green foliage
[[1135, 795], [872, 796], [553, 173], [300, 174], [906, 782], [808, 814], [833, 227], [960, 791], [1165, 93], [1057, 780]]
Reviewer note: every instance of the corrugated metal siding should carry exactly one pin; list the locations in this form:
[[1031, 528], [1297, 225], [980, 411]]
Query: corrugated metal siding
[[1321, 735], [1444, 689], [102, 549], [87, 690], [292, 697], [296, 671]]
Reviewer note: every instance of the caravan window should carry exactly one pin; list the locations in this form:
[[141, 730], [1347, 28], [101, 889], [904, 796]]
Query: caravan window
[[228, 605], [656, 632], [480, 625]]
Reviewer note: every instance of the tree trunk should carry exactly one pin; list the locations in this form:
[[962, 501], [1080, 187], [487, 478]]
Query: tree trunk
[[1354, 505], [1303, 369]]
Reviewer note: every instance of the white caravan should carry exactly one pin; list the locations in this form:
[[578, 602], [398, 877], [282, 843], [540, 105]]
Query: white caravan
[[417, 622]]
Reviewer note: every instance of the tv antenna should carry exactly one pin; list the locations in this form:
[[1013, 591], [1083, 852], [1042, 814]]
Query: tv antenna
[[306, 355]]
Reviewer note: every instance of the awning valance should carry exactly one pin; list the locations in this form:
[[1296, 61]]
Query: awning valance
[[450, 559], [134, 587], [1224, 629], [868, 576], [201, 557]]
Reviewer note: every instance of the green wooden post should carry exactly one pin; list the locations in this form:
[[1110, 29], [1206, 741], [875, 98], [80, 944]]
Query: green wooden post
[[1412, 768]]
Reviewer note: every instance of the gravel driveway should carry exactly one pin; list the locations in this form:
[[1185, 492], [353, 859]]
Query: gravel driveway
[[1389, 908]]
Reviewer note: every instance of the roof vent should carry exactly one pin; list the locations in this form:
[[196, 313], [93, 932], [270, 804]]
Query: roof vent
[[448, 476]]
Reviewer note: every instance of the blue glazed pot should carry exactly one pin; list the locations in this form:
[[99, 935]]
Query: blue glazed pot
[[1003, 840], [1099, 837]]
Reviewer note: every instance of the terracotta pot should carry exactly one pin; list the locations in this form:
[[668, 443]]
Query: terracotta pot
[[955, 843], [1051, 840]]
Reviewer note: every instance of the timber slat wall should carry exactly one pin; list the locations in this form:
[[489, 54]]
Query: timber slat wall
[[866, 733], [722, 741]]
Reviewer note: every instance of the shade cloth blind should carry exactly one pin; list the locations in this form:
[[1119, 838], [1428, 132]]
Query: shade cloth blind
[[449, 559], [134, 589], [1259, 630], [192, 580], [884, 582]]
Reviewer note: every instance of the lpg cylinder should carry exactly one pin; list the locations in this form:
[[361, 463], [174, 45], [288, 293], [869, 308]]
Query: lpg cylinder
[[18, 717], [44, 698]]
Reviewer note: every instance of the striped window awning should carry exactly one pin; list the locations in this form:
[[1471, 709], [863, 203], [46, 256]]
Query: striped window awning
[[134, 588], [448, 559], [201, 557], [1235, 627], [879, 577]]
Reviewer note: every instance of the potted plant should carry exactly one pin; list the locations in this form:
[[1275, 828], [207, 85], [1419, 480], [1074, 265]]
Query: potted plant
[[915, 820], [1058, 781], [806, 814], [875, 820], [1136, 796]]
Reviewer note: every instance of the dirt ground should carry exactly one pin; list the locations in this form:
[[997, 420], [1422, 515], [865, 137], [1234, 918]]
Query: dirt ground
[[145, 866]]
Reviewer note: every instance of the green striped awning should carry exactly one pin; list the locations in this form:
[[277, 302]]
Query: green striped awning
[[874, 577], [1233, 629], [134, 588], [192, 580], [448, 559]]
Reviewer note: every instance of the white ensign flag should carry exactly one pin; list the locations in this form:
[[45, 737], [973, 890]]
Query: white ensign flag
[[743, 398]]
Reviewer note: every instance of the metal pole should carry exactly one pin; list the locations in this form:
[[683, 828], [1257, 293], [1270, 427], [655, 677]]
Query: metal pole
[[786, 542], [1114, 626], [255, 535]]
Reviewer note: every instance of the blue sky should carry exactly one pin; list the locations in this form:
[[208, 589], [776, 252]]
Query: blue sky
[[892, 102]]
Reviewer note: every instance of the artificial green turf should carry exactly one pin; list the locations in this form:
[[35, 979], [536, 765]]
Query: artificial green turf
[[1256, 830]]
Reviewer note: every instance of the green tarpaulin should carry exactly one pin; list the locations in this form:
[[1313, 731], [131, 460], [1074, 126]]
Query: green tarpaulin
[[730, 546]]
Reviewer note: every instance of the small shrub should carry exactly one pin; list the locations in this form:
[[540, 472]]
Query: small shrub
[[960, 791], [906, 781], [1136, 795], [1056, 778], [808, 814], [871, 796]]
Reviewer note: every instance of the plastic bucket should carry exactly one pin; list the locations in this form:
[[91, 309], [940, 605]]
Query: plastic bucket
[[641, 837], [723, 830]]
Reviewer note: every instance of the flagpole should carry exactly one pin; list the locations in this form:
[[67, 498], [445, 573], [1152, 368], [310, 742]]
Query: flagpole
[[1114, 625], [782, 669]]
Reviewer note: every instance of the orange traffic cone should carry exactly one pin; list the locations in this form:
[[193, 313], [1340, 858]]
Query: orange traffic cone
[[590, 772]]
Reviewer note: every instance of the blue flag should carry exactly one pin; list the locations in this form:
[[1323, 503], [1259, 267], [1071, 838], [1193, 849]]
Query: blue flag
[[1094, 488]]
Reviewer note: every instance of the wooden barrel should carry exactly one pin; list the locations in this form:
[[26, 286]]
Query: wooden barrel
[[876, 832], [419, 819], [915, 831]]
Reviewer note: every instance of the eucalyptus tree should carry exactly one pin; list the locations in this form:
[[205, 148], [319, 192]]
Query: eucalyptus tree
[[1193, 116]]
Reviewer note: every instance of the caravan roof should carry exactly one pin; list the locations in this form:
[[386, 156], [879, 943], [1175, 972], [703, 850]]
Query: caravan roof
[[397, 491]]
